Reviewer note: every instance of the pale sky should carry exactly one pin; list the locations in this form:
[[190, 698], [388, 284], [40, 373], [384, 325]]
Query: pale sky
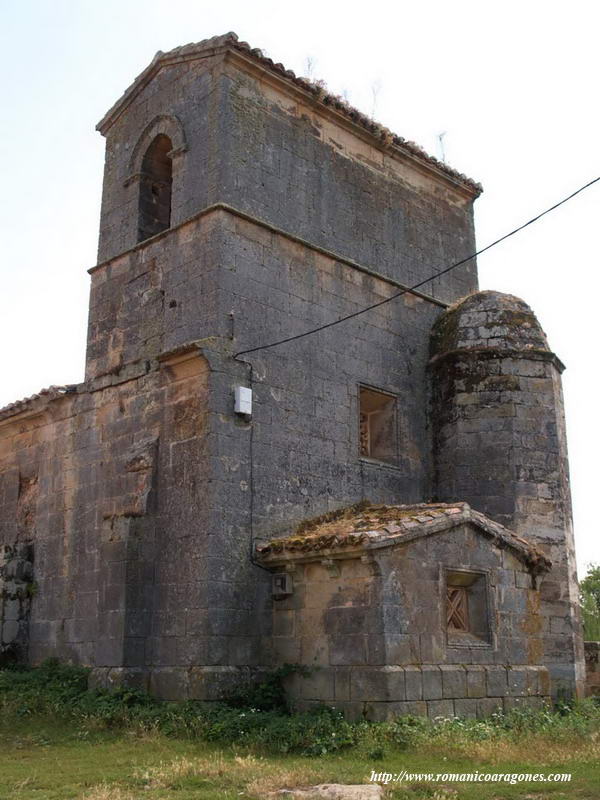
[[514, 86]]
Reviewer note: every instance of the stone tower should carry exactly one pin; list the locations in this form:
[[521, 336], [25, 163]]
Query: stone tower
[[243, 205], [500, 444], [240, 205]]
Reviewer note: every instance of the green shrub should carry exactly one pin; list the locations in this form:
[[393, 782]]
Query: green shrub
[[268, 694], [255, 716], [589, 588], [51, 687], [407, 731]]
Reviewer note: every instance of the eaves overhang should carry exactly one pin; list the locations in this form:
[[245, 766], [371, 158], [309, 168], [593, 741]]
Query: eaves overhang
[[313, 92]]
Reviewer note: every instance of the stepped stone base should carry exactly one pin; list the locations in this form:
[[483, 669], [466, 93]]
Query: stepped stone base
[[381, 693]]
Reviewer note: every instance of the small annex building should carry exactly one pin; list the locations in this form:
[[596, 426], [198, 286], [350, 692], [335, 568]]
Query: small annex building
[[385, 501], [426, 609]]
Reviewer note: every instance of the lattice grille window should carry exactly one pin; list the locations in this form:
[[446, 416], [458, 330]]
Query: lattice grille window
[[467, 616], [457, 609]]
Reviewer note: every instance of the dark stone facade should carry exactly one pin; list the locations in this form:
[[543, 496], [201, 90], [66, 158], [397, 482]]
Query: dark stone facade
[[140, 491]]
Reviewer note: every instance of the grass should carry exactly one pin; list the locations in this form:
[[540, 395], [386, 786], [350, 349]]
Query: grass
[[59, 741]]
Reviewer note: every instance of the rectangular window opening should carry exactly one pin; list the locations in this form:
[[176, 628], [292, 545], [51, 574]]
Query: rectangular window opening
[[378, 426], [467, 617]]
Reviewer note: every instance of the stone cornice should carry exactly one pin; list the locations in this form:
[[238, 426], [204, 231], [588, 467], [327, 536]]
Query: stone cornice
[[475, 353], [279, 232]]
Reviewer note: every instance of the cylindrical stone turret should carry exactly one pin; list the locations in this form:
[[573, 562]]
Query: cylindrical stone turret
[[500, 444]]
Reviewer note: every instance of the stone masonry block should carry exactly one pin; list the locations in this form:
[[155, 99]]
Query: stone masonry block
[[342, 684], [319, 685], [486, 706], [212, 683], [465, 707], [137, 678], [515, 702], [518, 681], [12, 609], [513, 600], [432, 648], [476, 683], [376, 650], [454, 681], [10, 631], [347, 650], [539, 703], [560, 625], [533, 680], [432, 682], [288, 650], [543, 681], [417, 708], [383, 684], [440, 708], [497, 684], [386, 712], [413, 678], [283, 622], [402, 649], [169, 684], [515, 650]]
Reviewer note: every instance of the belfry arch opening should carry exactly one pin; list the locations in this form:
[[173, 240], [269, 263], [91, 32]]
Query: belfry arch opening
[[156, 179]]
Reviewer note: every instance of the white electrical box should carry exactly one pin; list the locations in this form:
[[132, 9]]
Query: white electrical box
[[243, 400]]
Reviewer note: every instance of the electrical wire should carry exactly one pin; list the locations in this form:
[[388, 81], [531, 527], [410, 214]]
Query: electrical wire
[[420, 283]]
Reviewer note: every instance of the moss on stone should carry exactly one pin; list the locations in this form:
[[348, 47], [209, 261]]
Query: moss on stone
[[505, 311]]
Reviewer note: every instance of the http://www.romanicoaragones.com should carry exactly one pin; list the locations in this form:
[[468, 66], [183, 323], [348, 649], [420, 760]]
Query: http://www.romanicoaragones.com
[[403, 776]]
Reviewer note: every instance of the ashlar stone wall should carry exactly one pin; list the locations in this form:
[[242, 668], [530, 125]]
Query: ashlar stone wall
[[112, 481], [371, 627]]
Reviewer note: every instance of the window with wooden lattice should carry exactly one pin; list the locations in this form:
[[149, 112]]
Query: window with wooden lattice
[[467, 617], [457, 609]]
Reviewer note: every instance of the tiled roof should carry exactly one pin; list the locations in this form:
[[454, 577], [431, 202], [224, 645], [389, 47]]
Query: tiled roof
[[368, 526], [37, 400], [317, 89]]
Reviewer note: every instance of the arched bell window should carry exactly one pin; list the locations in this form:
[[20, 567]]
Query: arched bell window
[[156, 181]]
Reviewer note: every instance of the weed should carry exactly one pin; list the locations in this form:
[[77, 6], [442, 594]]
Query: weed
[[257, 719], [268, 694]]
